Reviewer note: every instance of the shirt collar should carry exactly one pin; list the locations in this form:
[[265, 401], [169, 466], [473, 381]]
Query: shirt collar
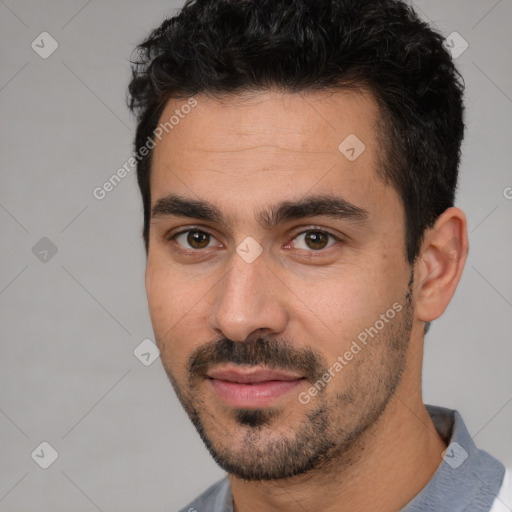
[[468, 479]]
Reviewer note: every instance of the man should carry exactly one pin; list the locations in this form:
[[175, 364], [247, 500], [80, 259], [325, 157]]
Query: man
[[298, 164]]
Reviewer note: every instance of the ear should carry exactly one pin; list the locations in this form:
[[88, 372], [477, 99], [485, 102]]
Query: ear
[[440, 264]]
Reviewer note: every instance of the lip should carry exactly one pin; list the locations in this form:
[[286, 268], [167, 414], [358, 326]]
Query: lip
[[252, 387], [250, 375]]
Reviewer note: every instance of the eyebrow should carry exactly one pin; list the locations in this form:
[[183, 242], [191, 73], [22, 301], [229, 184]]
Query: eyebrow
[[310, 206]]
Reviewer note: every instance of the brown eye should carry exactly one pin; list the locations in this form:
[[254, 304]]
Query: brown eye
[[198, 239], [193, 238], [315, 240]]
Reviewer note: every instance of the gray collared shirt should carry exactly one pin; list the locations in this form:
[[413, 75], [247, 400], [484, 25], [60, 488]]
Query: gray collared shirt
[[468, 479]]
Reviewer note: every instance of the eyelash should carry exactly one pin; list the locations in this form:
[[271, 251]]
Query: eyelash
[[182, 250]]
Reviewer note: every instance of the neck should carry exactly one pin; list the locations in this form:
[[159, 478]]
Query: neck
[[389, 464]]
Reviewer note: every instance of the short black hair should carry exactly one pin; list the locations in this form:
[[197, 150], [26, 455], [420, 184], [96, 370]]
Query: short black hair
[[226, 47]]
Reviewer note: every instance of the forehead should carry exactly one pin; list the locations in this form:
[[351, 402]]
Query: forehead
[[305, 120], [249, 147]]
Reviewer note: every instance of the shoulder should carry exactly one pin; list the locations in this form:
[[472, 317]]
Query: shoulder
[[217, 498], [503, 502]]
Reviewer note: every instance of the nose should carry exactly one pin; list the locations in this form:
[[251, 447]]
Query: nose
[[249, 300]]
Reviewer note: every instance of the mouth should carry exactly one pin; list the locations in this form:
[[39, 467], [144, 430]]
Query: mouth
[[251, 387]]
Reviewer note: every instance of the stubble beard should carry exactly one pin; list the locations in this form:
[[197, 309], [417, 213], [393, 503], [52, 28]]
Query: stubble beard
[[246, 443]]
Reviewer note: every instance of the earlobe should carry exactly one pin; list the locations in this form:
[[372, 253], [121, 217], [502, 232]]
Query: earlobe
[[440, 264]]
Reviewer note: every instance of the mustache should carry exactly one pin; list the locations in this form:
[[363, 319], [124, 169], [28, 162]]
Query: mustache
[[271, 353]]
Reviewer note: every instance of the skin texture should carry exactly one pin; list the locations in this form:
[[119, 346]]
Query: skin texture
[[365, 440]]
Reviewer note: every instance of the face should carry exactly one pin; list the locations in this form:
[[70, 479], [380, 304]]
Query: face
[[277, 281]]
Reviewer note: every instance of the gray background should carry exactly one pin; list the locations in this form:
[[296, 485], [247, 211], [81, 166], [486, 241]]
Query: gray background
[[69, 324]]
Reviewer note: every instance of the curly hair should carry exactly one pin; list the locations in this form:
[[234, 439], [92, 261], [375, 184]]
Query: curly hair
[[226, 47]]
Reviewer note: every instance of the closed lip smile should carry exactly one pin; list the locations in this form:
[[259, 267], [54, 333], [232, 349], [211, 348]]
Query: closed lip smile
[[250, 375], [251, 387]]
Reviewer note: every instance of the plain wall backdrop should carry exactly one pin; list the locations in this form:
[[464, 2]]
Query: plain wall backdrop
[[70, 320]]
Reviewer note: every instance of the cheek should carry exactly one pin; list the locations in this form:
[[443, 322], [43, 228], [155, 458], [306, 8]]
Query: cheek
[[169, 296], [174, 307], [160, 298], [343, 304], [166, 307]]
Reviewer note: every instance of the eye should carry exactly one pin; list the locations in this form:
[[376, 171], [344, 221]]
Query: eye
[[314, 239], [195, 238]]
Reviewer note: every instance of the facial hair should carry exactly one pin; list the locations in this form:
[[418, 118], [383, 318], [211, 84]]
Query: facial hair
[[265, 447]]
